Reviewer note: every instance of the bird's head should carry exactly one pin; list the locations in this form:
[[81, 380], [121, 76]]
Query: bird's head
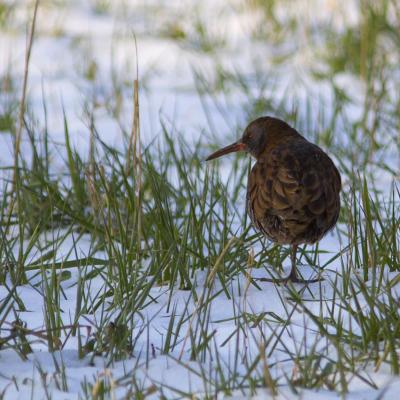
[[262, 133]]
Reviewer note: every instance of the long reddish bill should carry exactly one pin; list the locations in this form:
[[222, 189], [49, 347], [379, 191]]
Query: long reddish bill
[[238, 146]]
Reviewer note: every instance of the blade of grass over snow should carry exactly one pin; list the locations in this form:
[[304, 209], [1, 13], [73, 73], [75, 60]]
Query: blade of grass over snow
[[125, 255]]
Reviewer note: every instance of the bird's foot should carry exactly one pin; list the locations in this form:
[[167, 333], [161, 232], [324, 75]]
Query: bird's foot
[[277, 281], [291, 278], [296, 279]]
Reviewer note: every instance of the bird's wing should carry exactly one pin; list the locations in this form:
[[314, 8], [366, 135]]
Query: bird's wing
[[292, 187]]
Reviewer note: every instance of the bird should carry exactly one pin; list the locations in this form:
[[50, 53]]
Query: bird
[[293, 189]]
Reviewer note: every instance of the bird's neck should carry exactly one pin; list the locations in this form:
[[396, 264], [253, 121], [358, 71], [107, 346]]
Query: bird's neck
[[276, 139]]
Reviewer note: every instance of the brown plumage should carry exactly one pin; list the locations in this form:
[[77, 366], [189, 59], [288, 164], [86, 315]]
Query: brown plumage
[[293, 188]]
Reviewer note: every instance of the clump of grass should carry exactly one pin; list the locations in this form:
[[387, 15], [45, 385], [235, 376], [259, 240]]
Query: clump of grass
[[363, 48], [100, 6], [271, 26], [6, 10]]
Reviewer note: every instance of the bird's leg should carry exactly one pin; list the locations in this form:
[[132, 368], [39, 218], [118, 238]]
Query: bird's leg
[[293, 276], [293, 272]]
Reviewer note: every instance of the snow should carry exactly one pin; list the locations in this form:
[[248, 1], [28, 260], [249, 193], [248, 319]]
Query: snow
[[175, 371], [72, 35]]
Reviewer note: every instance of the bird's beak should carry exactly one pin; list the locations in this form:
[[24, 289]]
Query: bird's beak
[[238, 146]]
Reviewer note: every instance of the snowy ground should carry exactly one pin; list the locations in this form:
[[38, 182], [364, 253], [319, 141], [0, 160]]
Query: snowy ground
[[83, 55]]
